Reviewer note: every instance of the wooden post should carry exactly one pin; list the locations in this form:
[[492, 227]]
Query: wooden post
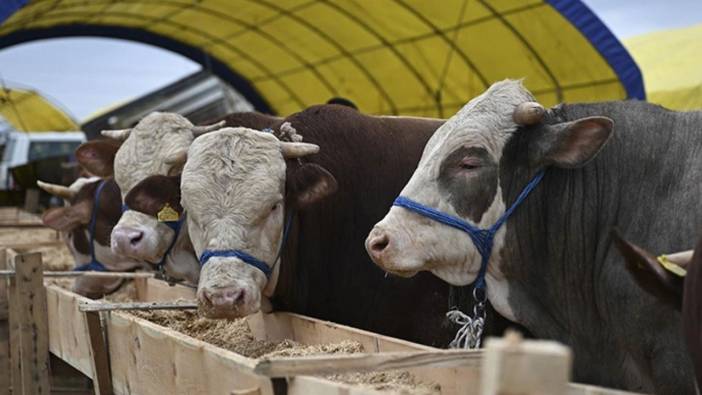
[[532, 367], [5, 378], [14, 327], [31, 200], [102, 379], [32, 317]]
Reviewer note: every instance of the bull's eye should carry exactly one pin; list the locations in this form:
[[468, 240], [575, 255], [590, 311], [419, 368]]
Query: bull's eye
[[469, 163], [275, 207]]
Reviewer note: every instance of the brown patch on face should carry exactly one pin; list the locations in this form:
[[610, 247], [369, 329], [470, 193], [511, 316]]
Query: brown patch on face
[[98, 156], [468, 176], [151, 195]]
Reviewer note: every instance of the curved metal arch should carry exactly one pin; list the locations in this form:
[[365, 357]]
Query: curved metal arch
[[339, 47], [211, 38], [217, 67], [525, 42], [384, 42]]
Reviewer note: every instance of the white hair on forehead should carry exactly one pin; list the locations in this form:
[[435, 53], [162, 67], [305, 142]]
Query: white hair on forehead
[[486, 120], [157, 137], [496, 104], [233, 165], [231, 178]]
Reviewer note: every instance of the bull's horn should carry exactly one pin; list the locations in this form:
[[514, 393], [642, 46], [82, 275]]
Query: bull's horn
[[198, 130], [177, 157], [297, 150], [57, 190], [117, 134], [528, 113]]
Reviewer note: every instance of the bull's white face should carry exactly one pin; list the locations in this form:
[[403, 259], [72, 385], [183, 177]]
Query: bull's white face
[[157, 145], [458, 175], [233, 189]]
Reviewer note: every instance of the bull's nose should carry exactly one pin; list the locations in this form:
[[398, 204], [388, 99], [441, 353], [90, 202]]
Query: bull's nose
[[126, 240], [377, 243], [224, 298]]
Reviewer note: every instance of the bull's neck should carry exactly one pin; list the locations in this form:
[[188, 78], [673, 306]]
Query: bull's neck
[[558, 261]]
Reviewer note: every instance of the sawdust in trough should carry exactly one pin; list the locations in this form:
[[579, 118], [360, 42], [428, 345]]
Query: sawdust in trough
[[235, 335]]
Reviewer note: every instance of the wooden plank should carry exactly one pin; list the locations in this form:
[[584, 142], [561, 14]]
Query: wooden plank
[[104, 306], [15, 334], [68, 329], [526, 367], [5, 369], [149, 359], [33, 322], [68, 274], [102, 380], [328, 364], [154, 290], [307, 330], [28, 246], [31, 200]]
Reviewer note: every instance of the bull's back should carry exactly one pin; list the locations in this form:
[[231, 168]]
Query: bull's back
[[372, 158]]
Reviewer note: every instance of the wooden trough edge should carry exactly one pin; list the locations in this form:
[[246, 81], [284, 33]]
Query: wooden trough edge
[[328, 364], [259, 372]]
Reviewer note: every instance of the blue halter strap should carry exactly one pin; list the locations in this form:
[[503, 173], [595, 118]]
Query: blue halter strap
[[471, 331], [482, 238], [247, 258], [176, 226], [94, 264]]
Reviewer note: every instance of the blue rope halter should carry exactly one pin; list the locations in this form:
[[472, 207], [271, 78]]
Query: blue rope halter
[[94, 264], [176, 226], [482, 238], [470, 333], [247, 258]]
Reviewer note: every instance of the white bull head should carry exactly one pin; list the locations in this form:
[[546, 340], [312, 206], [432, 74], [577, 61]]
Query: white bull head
[[236, 190]]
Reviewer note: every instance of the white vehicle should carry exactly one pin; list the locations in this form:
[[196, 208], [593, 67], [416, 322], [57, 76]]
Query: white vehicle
[[20, 148]]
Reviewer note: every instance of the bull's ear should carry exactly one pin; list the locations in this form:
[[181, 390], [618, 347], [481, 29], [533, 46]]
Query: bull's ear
[[308, 184], [98, 156], [570, 144], [648, 273], [65, 219]]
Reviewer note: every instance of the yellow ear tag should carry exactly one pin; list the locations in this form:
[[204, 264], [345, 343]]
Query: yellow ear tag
[[671, 267], [167, 214]]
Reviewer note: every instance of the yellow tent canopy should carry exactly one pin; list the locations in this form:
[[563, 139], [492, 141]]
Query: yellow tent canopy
[[671, 65], [392, 57], [28, 111]]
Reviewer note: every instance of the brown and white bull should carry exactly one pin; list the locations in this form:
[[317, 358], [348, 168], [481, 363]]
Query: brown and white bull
[[153, 152], [73, 223], [156, 146], [241, 188], [552, 267]]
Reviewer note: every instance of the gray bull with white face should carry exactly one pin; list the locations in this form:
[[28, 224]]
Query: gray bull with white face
[[552, 267]]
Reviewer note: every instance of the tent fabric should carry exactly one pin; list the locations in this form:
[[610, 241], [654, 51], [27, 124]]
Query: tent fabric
[[407, 57], [671, 65], [28, 111]]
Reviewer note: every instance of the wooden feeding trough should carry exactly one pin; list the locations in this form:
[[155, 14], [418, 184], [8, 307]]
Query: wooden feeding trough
[[125, 354]]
